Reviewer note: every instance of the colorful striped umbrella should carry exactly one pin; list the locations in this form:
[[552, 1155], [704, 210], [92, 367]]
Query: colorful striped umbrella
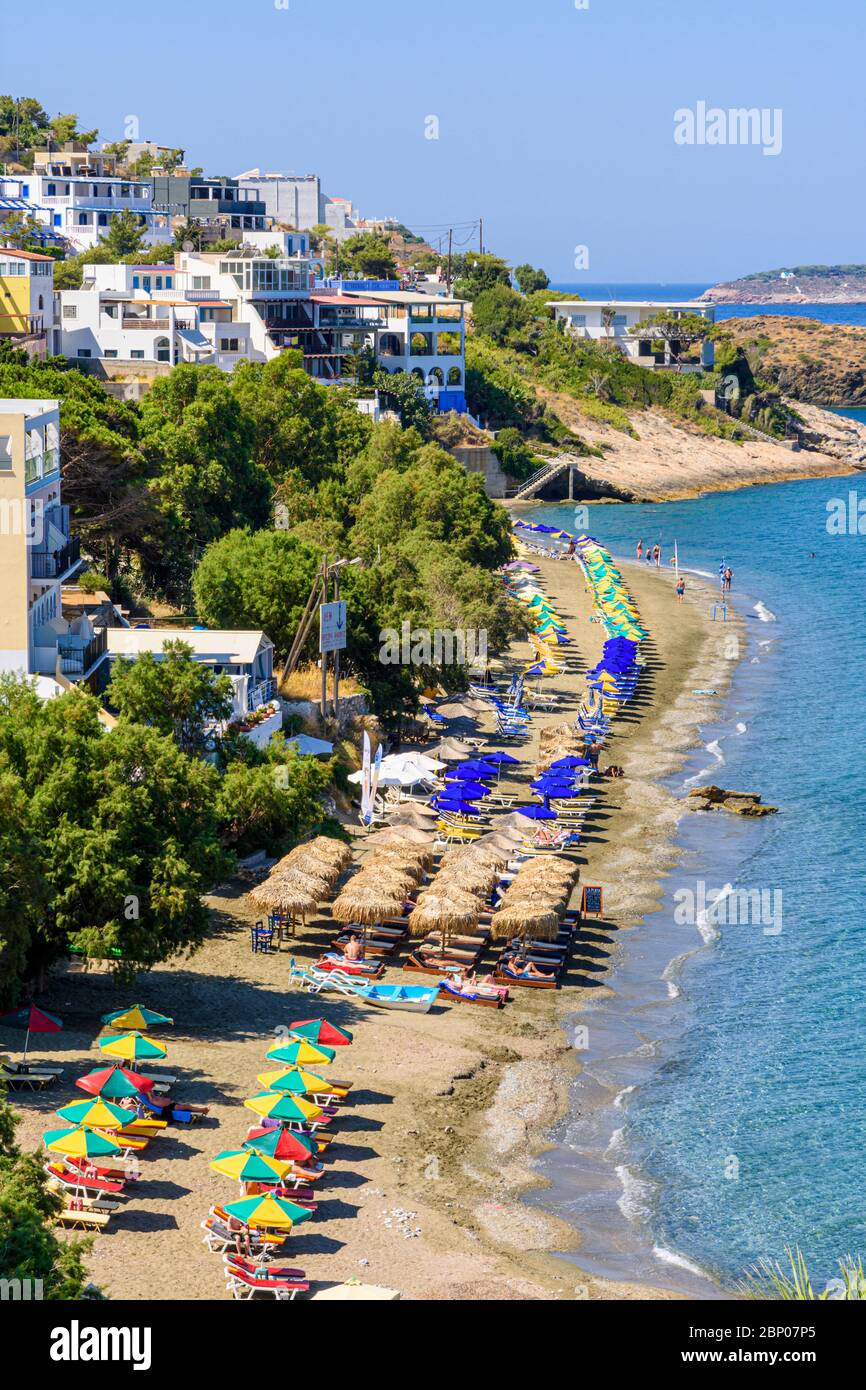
[[114, 1083], [285, 1143], [79, 1142], [297, 1082], [96, 1114], [137, 1016], [245, 1166], [132, 1047], [269, 1213], [279, 1107], [300, 1054], [33, 1020], [318, 1031]]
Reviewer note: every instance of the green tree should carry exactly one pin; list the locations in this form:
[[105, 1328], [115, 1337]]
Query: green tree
[[175, 694], [474, 272], [256, 580], [125, 829], [403, 392], [125, 235], [530, 280], [29, 1248], [368, 256], [501, 314], [273, 798]]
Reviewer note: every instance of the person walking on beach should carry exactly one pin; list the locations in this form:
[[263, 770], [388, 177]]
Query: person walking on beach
[[681, 589], [729, 575], [640, 550], [657, 555]]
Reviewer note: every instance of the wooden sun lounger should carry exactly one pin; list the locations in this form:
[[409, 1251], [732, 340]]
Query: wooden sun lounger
[[80, 1219], [456, 996], [501, 977]]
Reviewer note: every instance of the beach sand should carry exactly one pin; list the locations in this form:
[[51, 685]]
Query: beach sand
[[450, 1108]]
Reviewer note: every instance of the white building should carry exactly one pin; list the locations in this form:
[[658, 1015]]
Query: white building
[[295, 200], [424, 335], [617, 322], [78, 196], [141, 317]]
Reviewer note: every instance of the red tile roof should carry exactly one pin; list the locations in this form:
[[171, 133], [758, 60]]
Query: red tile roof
[[25, 255]]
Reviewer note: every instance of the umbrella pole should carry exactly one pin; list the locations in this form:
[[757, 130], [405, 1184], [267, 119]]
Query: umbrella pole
[[26, 1040]]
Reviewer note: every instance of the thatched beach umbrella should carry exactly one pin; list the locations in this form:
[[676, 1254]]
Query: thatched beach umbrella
[[401, 835], [453, 750], [317, 885], [366, 907], [477, 879], [444, 914], [525, 921], [413, 813], [417, 857]]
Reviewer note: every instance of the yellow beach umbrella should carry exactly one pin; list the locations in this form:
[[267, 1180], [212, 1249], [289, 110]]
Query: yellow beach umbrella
[[299, 1082], [245, 1166], [132, 1047], [277, 1106]]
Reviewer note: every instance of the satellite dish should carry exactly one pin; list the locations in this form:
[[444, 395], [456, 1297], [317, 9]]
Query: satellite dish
[[188, 246]]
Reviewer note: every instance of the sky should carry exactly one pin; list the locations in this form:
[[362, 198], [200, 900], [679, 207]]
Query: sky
[[555, 120]]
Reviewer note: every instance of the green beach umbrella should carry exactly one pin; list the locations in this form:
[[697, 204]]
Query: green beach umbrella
[[114, 1083], [245, 1166], [96, 1114], [137, 1016], [269, 1213], [300, 1054], [132, 1047], [279, 1107], [288, 1144], [318, 1031]]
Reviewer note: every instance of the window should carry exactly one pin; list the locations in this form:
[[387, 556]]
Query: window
[[70, 311], [201, 282], [159, 282], [41, 302], [136, 354], [162, 349], [57, 219], [102, 219], [110, 352], [83, 219], [124, 190], [579, 320], [146, 282], [136, 282], [25, 190], [169, 281], [83, 352], [229, 345], [52, 190]]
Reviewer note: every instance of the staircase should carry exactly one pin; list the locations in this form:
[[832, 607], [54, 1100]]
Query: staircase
[[538, 479]]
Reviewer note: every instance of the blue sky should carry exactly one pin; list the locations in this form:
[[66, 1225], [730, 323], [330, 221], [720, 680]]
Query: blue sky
[[555, 123]]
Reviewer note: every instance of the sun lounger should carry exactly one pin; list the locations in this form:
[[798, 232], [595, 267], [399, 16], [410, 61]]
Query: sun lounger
[[263, 1268], [503, 976], [220, 1236], [244, 1285], [363, 969], [72, 1178], [82, 1219], [86, 1201], [495, 996], [23, 1067], [29, 1081]]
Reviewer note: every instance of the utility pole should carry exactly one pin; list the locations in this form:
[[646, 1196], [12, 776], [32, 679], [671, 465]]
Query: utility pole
[[481, 236], [450, 257], [324, 655], [336, 653]]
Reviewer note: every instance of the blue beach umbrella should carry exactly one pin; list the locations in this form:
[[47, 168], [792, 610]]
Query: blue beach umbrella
[[480, 768], [536, 812], [564, 764], [463, 808]]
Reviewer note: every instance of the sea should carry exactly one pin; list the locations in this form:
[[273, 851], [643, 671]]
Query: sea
[[720, 1116]]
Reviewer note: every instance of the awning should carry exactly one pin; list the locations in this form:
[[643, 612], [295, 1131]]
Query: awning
[[195, 340]]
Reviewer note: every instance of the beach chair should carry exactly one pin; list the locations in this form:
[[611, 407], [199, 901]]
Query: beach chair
[[265, 1266], [491, 996], [24, 1068], [72, 1179], [261, 939]]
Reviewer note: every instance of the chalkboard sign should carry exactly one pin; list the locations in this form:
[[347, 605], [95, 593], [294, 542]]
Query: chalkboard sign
[[591, 901]]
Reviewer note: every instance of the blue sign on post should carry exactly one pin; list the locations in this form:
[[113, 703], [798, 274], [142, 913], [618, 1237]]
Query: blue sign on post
[[332, 626]]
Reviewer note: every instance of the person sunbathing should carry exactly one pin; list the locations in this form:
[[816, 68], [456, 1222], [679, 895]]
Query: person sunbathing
[[353, 949], [526, 969]]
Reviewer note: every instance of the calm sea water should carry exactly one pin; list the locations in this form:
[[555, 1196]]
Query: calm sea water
[[721, 1115], [826, 313]]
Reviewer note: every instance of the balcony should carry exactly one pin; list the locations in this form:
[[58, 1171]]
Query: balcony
[[47, 564], [135, 322], [77, 658], [37, 466]]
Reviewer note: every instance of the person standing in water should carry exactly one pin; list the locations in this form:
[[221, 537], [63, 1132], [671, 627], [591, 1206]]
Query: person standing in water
[[657, 555], [640, 550], [729, 575]]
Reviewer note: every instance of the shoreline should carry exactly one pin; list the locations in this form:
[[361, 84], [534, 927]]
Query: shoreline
[[448, 1149]]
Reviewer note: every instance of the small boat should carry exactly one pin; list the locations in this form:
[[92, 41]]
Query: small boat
[[416, 999]]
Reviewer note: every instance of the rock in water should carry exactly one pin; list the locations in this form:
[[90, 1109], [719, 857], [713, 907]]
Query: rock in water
[[714, 798]]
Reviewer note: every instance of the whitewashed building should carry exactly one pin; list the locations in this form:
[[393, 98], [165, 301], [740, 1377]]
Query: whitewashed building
[[618, 322]]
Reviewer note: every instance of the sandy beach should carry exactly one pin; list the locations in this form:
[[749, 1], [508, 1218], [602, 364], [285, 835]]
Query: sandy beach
[[449, 1108]]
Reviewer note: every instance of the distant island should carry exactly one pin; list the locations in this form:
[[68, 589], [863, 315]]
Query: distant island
[[798, 284]]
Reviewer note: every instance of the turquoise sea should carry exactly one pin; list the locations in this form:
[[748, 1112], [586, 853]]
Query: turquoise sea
[[721, 1115]]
